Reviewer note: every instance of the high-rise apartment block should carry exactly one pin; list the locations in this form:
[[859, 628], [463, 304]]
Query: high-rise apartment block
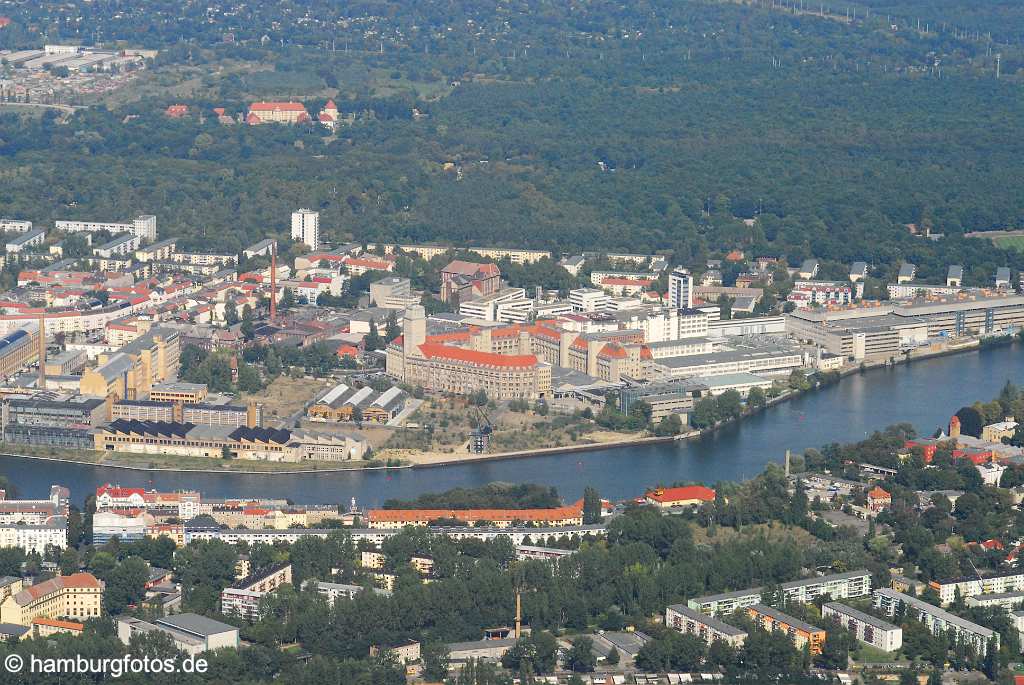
[[306, 228], [680, 289]]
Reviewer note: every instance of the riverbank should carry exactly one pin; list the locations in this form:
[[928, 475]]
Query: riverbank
[[599, 440], [180, 464]]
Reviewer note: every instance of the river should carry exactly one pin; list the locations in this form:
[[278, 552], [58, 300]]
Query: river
[[925, 393]]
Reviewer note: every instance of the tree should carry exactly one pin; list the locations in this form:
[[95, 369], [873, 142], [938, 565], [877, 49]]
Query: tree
[[230, 312], [272, 363], [591, 505], [971, 421], [705, 413], [669, 426], [756, 398], [373, 341], [393, 330], [730, 405], [287, 300], [435, 662], [125, 585], [581, 658], [613, 657]]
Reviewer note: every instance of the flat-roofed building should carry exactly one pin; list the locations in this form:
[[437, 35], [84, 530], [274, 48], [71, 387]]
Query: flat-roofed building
[[801, 632], [835, 586], [938, 620], [178, 391], [243, 598], [191, 633], [683, 619], [119, 245], [865, 627], [971, 586], [1006, 600]]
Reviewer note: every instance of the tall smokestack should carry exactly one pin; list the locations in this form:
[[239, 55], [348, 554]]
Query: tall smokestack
[[42, 351], [273, 282]]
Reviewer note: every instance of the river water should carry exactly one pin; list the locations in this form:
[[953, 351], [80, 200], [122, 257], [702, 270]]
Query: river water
[[925, 393]]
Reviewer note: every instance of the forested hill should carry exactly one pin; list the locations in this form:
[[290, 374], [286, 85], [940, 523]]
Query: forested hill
[[647, 126]]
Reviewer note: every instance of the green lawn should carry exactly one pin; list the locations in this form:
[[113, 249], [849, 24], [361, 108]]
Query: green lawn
[[1012, 242]]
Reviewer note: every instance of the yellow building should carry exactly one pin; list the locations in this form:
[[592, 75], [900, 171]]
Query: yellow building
[[186, 393], [131, 372], [78, 596]]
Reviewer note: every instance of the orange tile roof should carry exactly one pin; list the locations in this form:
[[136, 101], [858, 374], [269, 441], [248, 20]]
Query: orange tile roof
[[689, 492], [277, 107], [69, 625], [879, 493], [437, 351], [613, 350]]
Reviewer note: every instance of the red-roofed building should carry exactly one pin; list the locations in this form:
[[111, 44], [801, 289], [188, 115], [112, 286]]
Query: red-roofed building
[[279, 112], [687, 496], [115, 497], [252, 119], [346, 350], [176, 111], [463, 281], [357, 266], [878, 499], [78, 596], [44, 627], [5, 22]]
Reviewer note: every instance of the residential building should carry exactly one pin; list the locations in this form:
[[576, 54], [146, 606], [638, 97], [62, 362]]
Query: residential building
[[955, 276], [260, 249], [939, 621], [680, 289], [970, 586], [1006, 600], [242, 599], [159, 251], [801, 632], [78, 596], [685, 620], [907, 273], [864, 627], [191, 633], [45, 627], [15, 226], [119, 245], [24, 241], [306, 228], [1002, 281], [405, 652], [332, 592], [858, 272], [541, 553], [809, 269], [836, 586], [143, 226], [36, 538]]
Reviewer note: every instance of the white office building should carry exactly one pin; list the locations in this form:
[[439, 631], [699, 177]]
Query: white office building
[[865, 627], [680, 288], [306, 228], [589, 300]]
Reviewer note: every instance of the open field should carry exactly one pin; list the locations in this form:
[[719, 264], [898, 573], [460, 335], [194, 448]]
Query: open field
[[1010, 242], [285, 396]]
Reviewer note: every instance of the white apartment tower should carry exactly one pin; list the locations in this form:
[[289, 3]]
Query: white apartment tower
[[680, 288], [306, 228]]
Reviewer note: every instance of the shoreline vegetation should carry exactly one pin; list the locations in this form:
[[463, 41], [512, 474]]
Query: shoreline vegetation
[[408, 459]]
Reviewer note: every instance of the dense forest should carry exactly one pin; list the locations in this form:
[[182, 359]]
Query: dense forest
[[655, 126]]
